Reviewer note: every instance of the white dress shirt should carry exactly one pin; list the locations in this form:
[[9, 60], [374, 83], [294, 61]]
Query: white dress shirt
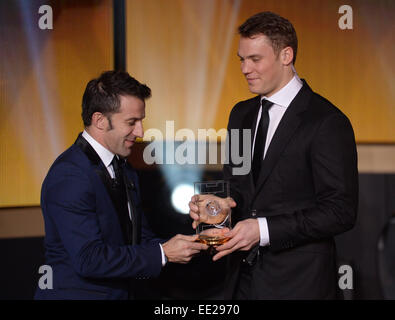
[[281, 100], [106, 157]]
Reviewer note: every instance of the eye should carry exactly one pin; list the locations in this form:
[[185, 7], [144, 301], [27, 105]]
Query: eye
[[256, 59]]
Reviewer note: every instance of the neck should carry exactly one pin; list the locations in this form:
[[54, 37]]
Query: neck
[[95, 135]]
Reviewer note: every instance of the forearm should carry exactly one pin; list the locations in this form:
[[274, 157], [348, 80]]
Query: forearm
[[98, 260], [308, 225]]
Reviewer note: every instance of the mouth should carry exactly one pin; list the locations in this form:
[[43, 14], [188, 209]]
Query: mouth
[[251, 80], [129, 143]]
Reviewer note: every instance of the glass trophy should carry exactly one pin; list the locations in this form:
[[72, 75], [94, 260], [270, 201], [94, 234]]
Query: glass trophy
[[214, 211]]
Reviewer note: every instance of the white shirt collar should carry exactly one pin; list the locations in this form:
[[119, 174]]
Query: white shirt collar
[[105, 155], [285, 95]]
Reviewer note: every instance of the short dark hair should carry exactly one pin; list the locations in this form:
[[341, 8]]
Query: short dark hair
[[278, 29], [103, 93]]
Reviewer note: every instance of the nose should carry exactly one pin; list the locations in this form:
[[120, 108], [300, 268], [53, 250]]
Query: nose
[[138, 129], [245, 67]]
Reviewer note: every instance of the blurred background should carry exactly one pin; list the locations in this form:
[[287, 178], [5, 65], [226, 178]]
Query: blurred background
[[186, 52]]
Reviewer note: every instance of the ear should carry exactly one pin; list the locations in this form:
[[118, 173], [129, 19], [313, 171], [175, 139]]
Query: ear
[[287, 55], [99, 121]]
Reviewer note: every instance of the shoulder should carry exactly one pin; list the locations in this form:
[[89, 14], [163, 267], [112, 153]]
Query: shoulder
[[243, 107], [242, 114], [72, 157], [327, 118], [68, 182], [321, 109], [71, 164], [322, 105]]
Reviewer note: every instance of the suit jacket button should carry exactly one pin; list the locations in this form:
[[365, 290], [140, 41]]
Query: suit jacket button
[[253, 213]]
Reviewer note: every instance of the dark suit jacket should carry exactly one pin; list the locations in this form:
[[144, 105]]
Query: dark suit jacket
[[84, 243], [307, 190]]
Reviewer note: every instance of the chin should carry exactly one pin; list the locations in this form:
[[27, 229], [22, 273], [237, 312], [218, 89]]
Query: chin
[[124, 153], [256, 90], [127, 153]]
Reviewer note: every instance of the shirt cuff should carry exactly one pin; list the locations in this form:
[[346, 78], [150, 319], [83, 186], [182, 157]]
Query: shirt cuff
[[164, 259], [264, 232]]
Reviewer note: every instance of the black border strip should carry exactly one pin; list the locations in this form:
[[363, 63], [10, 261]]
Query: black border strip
[[119, 21]]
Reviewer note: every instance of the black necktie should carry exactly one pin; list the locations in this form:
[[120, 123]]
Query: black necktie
[[117, 166], [122, 198], [260, 140]]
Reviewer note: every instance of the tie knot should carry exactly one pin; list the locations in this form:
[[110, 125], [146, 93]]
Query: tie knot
[[266, 104], [117, 163], [114, 162]]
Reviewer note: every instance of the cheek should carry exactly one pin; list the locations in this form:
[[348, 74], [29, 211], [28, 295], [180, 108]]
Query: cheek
[[125, 131], [263, 68], [269, 72]]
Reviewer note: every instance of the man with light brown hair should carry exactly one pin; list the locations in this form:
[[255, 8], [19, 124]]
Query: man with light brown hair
[[303, 186]]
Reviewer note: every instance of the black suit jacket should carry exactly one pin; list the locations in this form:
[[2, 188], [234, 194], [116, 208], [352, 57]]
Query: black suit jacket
[[307, 190]]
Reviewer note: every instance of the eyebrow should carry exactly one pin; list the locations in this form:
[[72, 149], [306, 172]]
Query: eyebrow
[[250, 57], [134, 118]]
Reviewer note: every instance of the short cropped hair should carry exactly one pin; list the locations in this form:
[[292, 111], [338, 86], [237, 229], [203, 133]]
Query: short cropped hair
[[278, 29], [103, 93]]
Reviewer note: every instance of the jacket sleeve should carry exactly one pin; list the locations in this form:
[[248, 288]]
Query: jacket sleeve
[[333, 158], [70, 202]]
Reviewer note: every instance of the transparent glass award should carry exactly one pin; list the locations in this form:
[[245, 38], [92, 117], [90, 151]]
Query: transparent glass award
[[214, 211]]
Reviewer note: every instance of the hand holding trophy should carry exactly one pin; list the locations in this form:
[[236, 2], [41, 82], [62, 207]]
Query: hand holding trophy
[[211, 211]]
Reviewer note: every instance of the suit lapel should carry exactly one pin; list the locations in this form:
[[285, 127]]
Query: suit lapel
[[94, 159], [285, 130], [103, 174], [249, 122], [131, 192]]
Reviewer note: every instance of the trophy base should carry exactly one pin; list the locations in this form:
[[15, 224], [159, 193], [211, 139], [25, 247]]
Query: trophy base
[[212, 241]]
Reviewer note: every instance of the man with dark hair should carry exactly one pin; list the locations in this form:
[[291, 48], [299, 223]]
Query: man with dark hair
[[97, 240], [303, 186]]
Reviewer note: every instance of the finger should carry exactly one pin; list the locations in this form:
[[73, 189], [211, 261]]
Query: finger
[[228, 245], [193, 207], [202, 197], [198, 246], [194, 252], [194, 224], [232, 203], [189, 238], [224, 252], [195, 198], [231, 233], [192, 243], [190, 252], [194, 216]]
